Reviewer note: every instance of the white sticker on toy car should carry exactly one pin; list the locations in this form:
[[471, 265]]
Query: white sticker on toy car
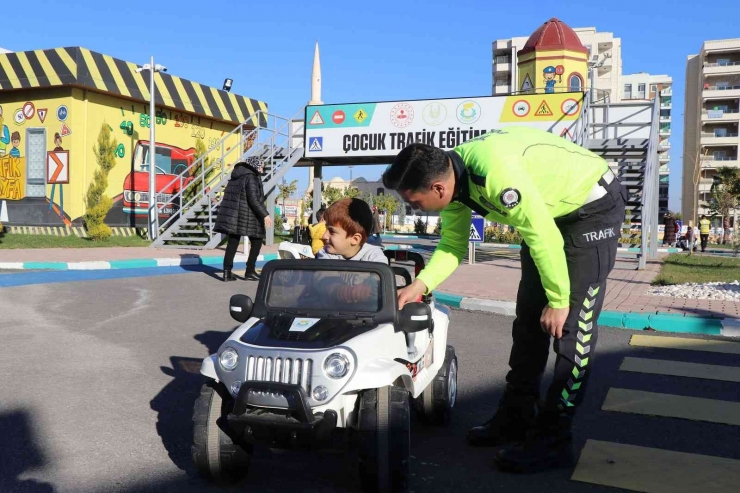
[[302, 324]]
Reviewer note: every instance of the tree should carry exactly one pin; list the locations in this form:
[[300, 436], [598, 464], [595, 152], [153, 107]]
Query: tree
[[196, 186], [285, 190], [725, 194], [97, 203], [387, 203], [331, 195], [351, 193], [696, 177]]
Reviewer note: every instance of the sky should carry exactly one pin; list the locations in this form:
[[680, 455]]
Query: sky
[[370, 51]]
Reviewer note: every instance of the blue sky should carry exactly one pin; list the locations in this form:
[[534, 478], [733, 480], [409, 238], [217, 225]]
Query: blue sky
[[369, 51]]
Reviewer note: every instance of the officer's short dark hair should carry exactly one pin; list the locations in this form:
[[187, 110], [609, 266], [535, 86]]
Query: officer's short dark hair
[[416, 167]]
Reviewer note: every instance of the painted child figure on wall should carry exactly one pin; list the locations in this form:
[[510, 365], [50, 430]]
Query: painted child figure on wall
[[4, 134], [15, 140]]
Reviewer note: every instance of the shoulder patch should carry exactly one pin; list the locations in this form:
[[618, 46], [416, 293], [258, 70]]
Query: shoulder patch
[[510, 198]]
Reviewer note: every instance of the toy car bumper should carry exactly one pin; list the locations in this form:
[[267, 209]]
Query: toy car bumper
[[294, 425]]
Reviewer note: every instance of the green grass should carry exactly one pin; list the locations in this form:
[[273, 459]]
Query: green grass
[[8, 241], [680, 268]]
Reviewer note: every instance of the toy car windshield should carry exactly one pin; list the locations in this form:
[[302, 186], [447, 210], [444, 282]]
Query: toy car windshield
[[303, 291]]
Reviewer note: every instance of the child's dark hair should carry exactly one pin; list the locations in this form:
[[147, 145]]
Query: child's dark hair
[[320, 214], [16, 136], [352, 215]]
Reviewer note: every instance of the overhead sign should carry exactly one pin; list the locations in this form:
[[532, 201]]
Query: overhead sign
[[384, 128], [57, 167], [477, 233]]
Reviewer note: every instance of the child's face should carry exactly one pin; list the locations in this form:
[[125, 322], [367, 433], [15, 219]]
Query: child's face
[[16, 143], [338, 243]]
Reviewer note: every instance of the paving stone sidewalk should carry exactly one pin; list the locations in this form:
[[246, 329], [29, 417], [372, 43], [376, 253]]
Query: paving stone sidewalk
[[626, 289]]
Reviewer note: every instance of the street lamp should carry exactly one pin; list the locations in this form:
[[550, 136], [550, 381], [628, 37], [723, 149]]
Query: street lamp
[[153, 215], [227, 84]]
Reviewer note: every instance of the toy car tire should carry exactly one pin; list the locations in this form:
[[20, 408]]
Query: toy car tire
[[217, 455], [435, 404], [384, 423]]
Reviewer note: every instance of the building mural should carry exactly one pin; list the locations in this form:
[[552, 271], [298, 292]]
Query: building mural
[[553, 60], [49, 125]]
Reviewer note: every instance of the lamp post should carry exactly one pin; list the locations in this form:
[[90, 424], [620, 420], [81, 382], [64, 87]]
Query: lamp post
[[153, 215]]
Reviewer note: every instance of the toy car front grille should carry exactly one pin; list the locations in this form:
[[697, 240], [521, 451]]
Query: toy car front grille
[[294, 371]]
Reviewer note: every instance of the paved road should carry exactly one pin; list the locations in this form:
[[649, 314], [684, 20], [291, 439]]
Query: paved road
[[100, 376]]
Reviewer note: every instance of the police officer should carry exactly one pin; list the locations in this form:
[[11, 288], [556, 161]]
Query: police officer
[[704, 225], [569, 208]]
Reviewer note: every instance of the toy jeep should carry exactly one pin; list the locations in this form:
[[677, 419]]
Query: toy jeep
[[323, 350]]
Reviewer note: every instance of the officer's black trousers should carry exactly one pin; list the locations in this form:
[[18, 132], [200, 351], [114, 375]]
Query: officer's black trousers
[[591, 235]]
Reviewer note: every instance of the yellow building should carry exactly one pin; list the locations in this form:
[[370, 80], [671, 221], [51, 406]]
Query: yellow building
[[553, 60], [53, 104]]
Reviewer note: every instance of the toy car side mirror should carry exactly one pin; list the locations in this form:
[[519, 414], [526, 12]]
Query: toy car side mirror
[[415, 317], [240, 307]]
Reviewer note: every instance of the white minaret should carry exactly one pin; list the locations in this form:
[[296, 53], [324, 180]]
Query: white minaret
[[316, 78], [315, 99]]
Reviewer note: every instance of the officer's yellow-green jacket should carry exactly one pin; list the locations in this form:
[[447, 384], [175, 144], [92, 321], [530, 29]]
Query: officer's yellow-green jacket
[[523, 177], [704, 225]]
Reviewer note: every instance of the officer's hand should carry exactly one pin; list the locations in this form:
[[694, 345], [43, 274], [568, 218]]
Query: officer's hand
[[553, 320], [411, 293]]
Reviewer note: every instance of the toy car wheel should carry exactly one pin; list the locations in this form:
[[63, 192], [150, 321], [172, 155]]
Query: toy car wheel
[[385, 439], [216, 455], [436, 403]]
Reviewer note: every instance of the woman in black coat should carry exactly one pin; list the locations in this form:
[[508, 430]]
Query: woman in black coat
[[242, 213]]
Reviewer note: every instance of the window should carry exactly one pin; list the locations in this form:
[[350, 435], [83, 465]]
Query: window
[[641, 91], [720, 132], [723, 62], [575, 83], [653, 88], [720, 155], [628, 91]]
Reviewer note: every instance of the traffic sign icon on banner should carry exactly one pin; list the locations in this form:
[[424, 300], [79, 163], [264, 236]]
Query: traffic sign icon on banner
[[316, 119], [476, 229], [57, 167]]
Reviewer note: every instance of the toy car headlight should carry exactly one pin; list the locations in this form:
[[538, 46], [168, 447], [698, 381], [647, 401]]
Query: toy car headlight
[[336, 365], [228, 359]]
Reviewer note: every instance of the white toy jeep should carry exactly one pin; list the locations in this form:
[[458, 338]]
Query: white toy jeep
[[323, 350]]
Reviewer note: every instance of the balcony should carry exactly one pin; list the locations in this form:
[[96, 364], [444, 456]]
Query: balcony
[[665, 157], [713, 139], [724, 68], [502, 63], [721, 92], [666, 105], [666, 92], [665, 119], [720, 162], [711, 115], [665, 132], [606, 67], [665, 144]]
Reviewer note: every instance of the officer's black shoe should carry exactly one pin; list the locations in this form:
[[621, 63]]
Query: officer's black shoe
[[251, 276], [229, 276], [548, 446], [514, 417]]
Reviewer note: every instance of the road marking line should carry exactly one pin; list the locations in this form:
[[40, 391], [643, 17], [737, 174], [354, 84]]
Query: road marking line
[[672, 406], [681, 369], [652, 470], [709, 345]]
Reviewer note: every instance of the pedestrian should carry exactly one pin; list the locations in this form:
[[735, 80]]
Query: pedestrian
[[569, 208], [669, 232], [376, 222], [704, 225], [243, 213], [317, 231]]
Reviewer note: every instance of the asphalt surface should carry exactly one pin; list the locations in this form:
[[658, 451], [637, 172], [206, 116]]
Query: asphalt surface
[[99, 378]]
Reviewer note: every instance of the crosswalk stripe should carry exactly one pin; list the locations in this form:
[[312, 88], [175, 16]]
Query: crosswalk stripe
[[709, 345], [645, 469], [672, 406], [681, 369]]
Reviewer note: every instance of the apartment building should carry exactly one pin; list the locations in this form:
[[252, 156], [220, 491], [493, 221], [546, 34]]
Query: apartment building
[[645, 87], [604, 50], [711, 117]]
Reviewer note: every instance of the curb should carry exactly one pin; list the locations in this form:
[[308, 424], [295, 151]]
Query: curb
[[661, 322], [146, 262]]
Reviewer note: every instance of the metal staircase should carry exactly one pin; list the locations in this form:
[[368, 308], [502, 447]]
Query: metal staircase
[[272, 138], [626, 135]]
